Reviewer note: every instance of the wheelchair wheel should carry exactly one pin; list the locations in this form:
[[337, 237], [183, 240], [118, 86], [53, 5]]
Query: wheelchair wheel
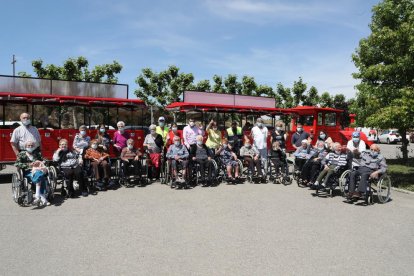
[[240, 166], [369, 198], [16, 187], [344, 183], [384, 188], [52, 182], [167, 173]]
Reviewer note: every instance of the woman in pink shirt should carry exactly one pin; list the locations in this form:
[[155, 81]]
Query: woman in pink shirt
[[120, 138]]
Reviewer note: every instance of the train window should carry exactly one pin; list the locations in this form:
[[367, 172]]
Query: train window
[[306, 120], [12, 114], [45, 116], [330, 119], [320, 119], [72, 116]]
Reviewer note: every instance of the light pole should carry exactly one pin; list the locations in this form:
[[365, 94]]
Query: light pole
[[14, 65]]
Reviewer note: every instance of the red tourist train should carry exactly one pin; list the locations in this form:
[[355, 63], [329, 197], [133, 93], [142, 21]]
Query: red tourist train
[[58, 108]]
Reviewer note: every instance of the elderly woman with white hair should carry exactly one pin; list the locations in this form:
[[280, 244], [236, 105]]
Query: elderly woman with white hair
[[302, 154], [31, 162], [120, 138], [154, 145]]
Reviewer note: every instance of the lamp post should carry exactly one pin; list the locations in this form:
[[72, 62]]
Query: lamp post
[[14, 65]]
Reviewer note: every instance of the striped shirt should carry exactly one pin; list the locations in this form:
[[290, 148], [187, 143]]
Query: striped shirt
[[335, 159]]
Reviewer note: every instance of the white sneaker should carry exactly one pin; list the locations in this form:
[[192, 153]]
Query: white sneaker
[[36, 201]]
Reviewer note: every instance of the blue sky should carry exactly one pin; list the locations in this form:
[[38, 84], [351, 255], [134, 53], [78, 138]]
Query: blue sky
[[273, 41]]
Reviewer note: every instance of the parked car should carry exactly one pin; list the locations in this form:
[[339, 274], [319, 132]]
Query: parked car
[[389, 136]]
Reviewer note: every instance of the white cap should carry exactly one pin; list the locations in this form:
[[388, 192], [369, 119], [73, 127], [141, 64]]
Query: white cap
[[161, 119], [305, 141]]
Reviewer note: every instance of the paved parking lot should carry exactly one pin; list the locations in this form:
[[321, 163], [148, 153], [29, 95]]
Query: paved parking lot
[[249, 229]]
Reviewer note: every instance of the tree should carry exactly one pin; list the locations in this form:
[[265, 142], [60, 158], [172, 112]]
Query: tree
[[248, 86], [325, 100], [311, 97], [232, 86], [385, 60], [203, 85], [285, 96], [161, 89], [298, 90], [76, 69], [218, 84]]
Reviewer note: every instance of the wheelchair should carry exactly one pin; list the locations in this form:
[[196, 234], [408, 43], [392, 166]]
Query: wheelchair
[[182, 180], [222, 171], [140, 180], [297, 173], [90, 180], [380, 187], [248, 175], [196, 174], [23, 191], [333, 182], [283, 176]]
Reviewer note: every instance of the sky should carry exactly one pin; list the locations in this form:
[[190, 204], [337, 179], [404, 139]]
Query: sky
[[274, 41]]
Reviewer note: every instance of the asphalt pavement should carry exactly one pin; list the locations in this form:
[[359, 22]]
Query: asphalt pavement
[[248, 229]]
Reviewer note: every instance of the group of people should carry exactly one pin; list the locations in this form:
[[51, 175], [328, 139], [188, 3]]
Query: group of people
[[317, 163], [191, 147]]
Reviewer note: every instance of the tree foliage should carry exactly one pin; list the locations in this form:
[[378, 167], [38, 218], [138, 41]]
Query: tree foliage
[[163, 88], [76, 69], [385, 60]]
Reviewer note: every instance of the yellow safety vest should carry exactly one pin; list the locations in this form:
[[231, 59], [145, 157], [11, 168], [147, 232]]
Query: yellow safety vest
[[163, 133], [230, 131]]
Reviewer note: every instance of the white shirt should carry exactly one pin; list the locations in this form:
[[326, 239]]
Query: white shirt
[[22, 134], [260, 137], [361, 146]]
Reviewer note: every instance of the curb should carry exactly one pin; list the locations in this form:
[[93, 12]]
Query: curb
[[402, 191]]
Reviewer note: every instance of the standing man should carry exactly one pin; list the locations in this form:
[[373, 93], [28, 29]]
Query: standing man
[[299, 136], [25, 132], [259, 135], [234, 136], [162, 130], [190, 133]]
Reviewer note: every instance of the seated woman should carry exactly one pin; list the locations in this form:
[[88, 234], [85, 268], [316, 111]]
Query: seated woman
[[302, 154], [332, 162], [177, 153], [81, 140], [70, 163], [325, 139], [278, 157], [201, 154], [31, 162], [130, 159], [252, 157], [104, 140], [154, 144], [229, 159], [99, 161], [311, 168]]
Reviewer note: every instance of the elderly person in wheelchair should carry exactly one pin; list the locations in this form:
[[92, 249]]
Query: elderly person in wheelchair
[[201, 155], [100, 163], [251, 156], [229, 159], [70, 163], [34, 169], [312, 167], [371, 165], [177, 154], [130, 159], [332, 163]]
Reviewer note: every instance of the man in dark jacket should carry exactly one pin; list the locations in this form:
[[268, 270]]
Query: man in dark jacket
[[202, 155]]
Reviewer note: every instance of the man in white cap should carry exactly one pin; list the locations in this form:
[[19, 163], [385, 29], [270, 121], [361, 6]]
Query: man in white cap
[[162, 130]]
